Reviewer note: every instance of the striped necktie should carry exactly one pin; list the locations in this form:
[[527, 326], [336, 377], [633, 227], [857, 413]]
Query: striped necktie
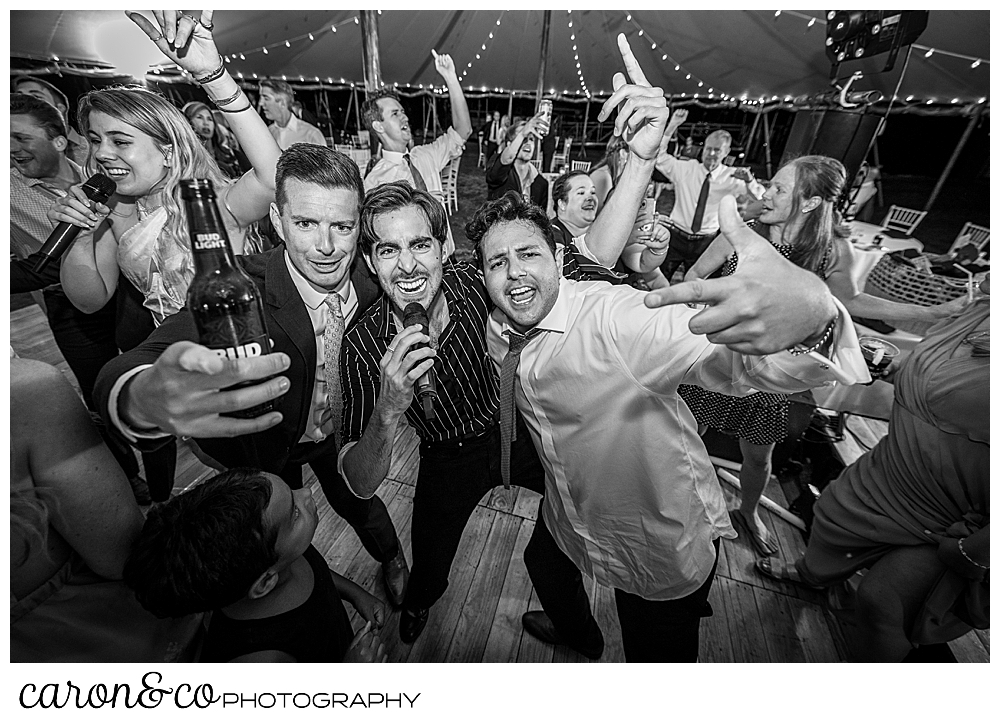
[[332, 336], [418, 180], [508, 371]]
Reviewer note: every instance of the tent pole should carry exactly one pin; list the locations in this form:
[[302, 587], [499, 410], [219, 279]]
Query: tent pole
[[767, 145], [510, 106], [357, 111], [973, 121], [583, 139], [369, 50], [544, 57], [753, 132], [347, 115]]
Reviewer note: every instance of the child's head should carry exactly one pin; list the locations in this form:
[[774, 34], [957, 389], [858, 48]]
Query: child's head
[[220, 542]]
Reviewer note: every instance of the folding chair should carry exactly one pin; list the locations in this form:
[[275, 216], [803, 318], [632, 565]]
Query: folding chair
[[449, 184], [481, 162], [580, 166], [561, 158], [537, 163], [904, 220], [978, 236]]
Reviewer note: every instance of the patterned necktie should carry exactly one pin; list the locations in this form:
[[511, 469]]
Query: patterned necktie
[[418, 180], [699, 210], [508, 371], [332, 336]]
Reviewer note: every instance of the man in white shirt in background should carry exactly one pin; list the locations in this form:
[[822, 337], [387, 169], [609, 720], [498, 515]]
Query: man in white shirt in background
[[699, 186], [493, 135], [420, 166], [276, 98]]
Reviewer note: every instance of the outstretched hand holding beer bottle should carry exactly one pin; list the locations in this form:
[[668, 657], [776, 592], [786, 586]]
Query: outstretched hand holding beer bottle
[[211, 389]]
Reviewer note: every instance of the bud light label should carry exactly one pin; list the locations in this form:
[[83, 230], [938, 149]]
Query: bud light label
[[240, 352], [205, 241]]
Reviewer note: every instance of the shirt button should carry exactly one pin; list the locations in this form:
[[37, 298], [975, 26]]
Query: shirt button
[[927, 532], [823, 366]]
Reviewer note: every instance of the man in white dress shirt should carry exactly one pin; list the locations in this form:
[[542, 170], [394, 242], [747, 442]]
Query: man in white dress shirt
[[276, 98], [420, 166], [699, 186], [639, 509]]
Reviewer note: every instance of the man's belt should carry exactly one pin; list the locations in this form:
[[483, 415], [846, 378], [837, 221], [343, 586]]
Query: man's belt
[[684, 233]]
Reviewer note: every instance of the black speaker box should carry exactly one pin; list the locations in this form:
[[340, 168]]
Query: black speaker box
[[842, 135]]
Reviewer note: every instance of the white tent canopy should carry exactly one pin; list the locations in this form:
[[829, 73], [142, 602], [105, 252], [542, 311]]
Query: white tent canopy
[[753, 54]]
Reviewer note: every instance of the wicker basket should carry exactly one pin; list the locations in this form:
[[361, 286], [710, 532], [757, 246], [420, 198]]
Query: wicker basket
[[897, 280]]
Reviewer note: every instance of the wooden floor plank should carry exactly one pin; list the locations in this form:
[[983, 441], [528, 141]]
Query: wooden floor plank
[[714, 641], [812, 628], [745, 626], [442, 622], [969, 649], [782, 637], [477, 614], [531, 649], [504, 637]]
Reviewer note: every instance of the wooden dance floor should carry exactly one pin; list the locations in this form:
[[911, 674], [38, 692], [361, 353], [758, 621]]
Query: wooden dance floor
[[479, 617]]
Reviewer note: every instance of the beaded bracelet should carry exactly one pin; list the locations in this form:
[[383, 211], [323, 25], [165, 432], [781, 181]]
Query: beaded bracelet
[[966, 556], [214, 75], [230, 99], [799, 350]]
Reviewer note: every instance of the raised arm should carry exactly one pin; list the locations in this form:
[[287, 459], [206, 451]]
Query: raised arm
[[188, 41], [460, 120], [642, 119]]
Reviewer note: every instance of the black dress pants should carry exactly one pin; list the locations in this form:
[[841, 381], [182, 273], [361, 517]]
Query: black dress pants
[[369, 518], [453, 478], [684, 250], [661, 631]]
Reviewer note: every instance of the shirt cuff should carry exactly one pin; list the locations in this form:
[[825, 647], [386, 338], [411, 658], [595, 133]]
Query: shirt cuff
[[132, 435], [845, 363], [340, 468], [583, 248]]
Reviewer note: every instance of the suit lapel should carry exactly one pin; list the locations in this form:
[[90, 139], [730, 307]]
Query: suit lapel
[[288, 311]]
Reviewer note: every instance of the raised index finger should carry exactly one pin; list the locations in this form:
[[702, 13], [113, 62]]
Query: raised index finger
[[631, 64]]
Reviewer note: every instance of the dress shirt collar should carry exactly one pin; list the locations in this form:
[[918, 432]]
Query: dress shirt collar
[[313, 297], [394, 156]]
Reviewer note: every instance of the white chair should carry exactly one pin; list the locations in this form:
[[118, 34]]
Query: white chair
[[978, 236], [364, 139], [481, 161], [901, 219], [537, 163], [580, 166], [561, 158], [343, 147], [449, 185]]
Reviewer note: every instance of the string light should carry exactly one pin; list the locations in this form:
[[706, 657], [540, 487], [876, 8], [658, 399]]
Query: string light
[[576, 57], [468, 67]]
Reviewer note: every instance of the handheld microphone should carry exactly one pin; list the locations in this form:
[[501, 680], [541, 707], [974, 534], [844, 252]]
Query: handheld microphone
[[99, 189], [426, 386]]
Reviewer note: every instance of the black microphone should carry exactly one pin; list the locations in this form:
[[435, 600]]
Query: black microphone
[[426, 386], [99, 189]]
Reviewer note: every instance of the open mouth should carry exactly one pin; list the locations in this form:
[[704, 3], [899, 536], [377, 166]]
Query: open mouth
[[521, 295], [21, 161], [115, 173], [412, 286]]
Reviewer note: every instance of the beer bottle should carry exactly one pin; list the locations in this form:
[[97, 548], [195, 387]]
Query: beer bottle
[[222, 298]]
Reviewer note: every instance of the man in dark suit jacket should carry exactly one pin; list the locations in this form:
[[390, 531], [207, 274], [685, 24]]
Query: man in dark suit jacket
[[170, 385]]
